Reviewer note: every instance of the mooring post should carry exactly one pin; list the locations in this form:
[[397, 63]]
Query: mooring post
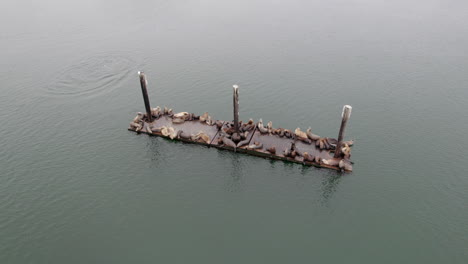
[[143, 83], [345, 116], [236, 107]]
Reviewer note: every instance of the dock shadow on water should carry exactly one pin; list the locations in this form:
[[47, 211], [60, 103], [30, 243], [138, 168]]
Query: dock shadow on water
[[92, 75]]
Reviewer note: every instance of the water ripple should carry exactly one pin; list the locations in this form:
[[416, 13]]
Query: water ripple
[[92, 76]]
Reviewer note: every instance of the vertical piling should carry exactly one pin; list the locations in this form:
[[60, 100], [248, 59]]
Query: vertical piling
[[143, 84], [345, 115], [236, 107]]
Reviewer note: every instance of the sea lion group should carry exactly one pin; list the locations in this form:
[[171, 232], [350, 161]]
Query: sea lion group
[[229, 137]]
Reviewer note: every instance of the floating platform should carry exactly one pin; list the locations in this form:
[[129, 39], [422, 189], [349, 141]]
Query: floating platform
[[250, 138], [316, 157]]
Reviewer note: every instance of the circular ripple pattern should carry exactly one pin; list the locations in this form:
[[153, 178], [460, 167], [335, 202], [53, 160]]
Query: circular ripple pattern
[[92, 76]]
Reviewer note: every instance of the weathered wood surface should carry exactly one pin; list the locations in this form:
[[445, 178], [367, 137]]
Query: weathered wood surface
[[315, 156]]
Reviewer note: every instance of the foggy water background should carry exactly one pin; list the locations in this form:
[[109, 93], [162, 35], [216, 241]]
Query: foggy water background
[[77, 187]]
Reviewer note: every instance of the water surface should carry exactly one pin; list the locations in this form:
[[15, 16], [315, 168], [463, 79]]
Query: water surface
[[77, 187]]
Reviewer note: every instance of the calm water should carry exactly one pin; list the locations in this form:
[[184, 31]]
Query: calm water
[[77, 187]]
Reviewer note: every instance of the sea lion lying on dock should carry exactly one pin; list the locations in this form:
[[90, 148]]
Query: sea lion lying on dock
[[138, 118], [243, 142], [311, 135], [345, 164], [135, 126], [255, 145], [299, 133], [156, 112], [272, 150], [226, 141], [203, 117], [201, 136], [331, 162]]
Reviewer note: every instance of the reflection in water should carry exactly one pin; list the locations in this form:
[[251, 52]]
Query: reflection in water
[[235, 182], [330, 182]]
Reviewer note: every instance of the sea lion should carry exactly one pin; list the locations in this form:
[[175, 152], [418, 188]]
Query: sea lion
[[244, 135], [272, 150], [182, 115], [286, 152], [270, 127], [305, 140], [178, 120], [346, 151], [136, 126], [138, 118], [156, 111], [345, 165], [293, 154], [167, 131], [288, 133], [261, 128], [255, 145], [219, 124], [243, 143], [148, 129], [165, 111], [170, 113], [228, 142], [203, 117], [183, 135], [331, 162], [236, 137], [299, 133], [209, 121], [203, 137], [312, 135], [308, 157]]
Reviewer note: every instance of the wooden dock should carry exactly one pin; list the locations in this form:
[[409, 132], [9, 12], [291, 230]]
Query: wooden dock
[[245, 137]]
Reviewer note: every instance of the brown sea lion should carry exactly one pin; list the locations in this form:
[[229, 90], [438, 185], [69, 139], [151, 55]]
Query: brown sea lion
[[204, 117], [308, 157], [181, 134], [272, 150], [288, 133], [300, 133], [311, 135]]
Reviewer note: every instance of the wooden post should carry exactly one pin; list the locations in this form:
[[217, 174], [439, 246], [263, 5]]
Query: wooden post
[[143, 83], [345, 116], [236, 107]]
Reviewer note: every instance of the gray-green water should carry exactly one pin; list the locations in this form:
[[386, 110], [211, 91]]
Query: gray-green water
[[77, 187]]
